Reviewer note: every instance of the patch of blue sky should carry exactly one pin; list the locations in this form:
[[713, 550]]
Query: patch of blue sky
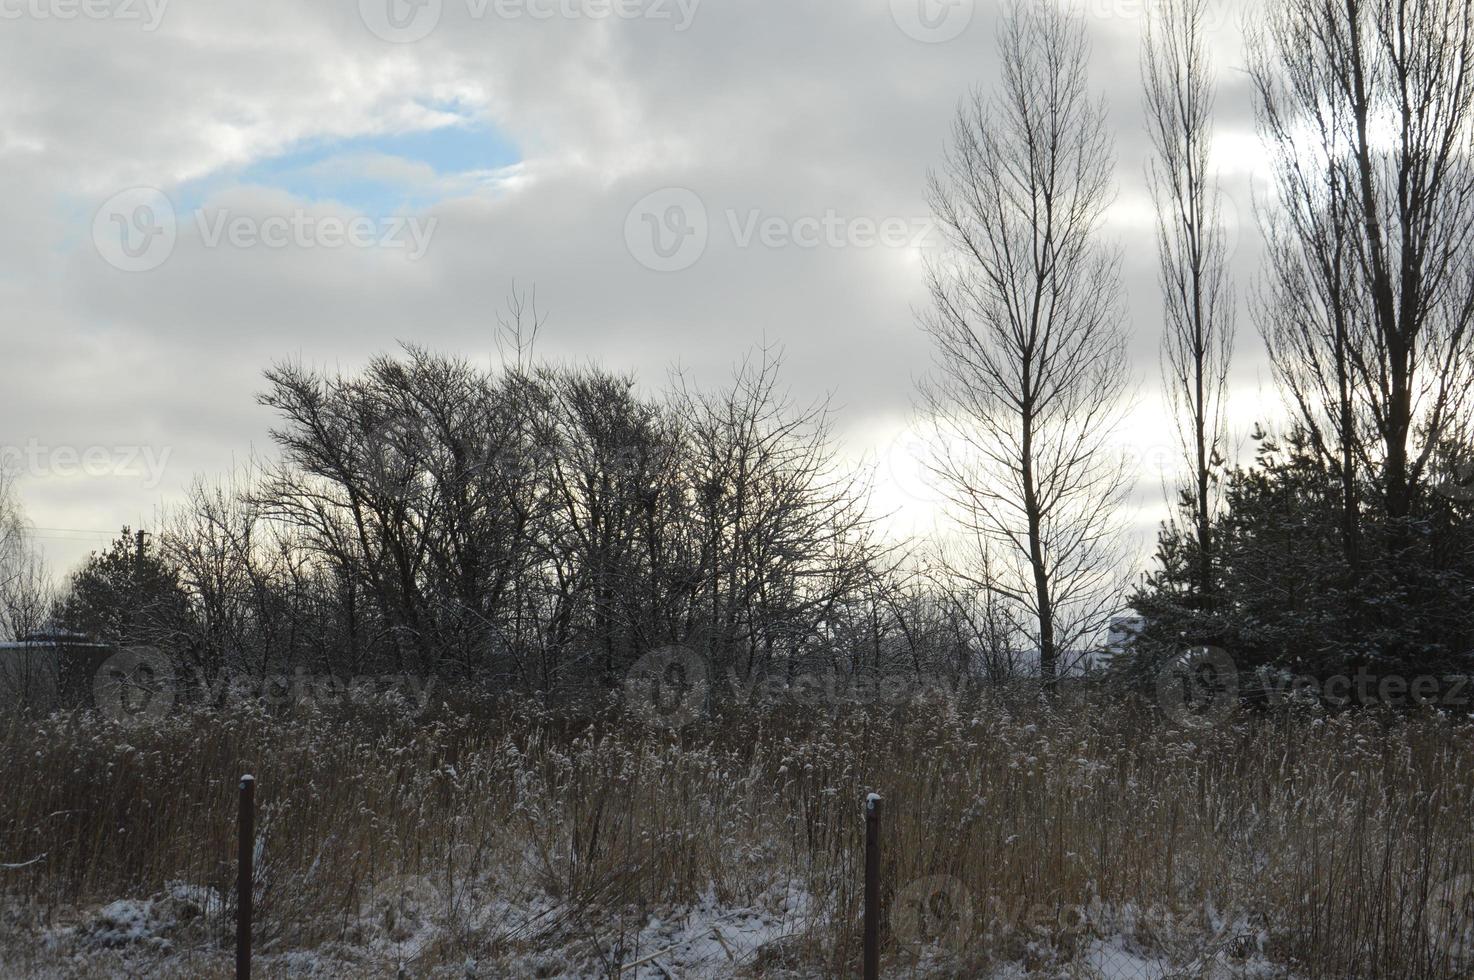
[[378, 174]]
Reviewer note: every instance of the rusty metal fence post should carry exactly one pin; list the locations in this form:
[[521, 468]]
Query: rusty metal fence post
[[872, 887], [245, 876]]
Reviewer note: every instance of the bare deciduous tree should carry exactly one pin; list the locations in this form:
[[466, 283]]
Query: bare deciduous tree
[[25, 593], [1026, 323], [1197, 342], [539, 526], [785, 536], [1368, 109]]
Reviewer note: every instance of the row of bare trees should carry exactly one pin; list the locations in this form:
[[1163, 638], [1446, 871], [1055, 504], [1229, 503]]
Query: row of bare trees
[[1365, 305], [538, 524], [539, 527], [1368, 110]]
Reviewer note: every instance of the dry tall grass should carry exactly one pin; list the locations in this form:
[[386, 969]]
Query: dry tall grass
[[1309, 842]]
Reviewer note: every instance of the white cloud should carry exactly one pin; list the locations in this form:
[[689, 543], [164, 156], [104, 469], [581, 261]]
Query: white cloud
[[788, 108]]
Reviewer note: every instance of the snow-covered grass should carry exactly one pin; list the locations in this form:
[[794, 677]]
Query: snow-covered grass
[[1087, 839]]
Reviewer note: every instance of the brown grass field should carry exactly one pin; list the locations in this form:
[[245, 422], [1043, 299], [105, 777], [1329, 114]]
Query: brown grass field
[[1089, 837]]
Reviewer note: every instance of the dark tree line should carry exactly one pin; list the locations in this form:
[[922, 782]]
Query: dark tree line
[[537, 526], [1290, 602], [1347, 543], [527, 527]]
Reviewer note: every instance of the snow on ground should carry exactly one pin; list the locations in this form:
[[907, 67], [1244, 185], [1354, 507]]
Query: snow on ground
[[184, 932], [156, 922], [1119, 959], [1110, 961], [709, 940]]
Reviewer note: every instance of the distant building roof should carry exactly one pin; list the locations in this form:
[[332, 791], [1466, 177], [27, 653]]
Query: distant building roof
[[55, 636], [52, 638]]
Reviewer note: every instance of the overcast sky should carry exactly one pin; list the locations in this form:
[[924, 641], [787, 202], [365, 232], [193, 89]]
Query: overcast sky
[[194, 190]]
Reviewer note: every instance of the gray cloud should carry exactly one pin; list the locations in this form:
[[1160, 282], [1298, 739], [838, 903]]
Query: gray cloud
[[783, 109]]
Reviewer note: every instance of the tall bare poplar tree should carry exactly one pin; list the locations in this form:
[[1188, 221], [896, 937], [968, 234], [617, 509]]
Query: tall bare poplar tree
[[1368, 110], [24, 591], [1026, 322], [1197, 340]]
